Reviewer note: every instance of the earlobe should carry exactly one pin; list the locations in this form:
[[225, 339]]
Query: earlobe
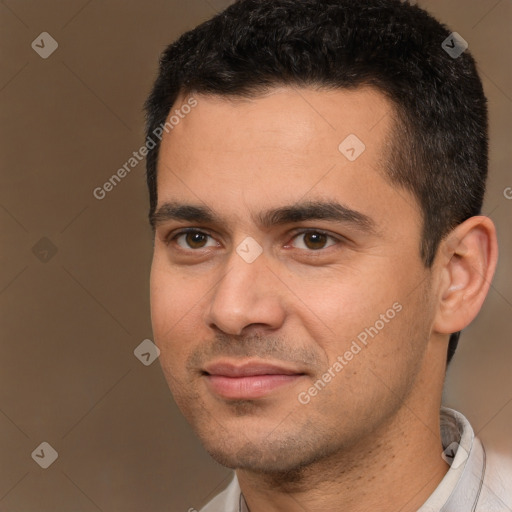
[[467, 260]]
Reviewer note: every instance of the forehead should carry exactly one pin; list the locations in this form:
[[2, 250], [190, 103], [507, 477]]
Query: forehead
[[278, 148], [298, 120]]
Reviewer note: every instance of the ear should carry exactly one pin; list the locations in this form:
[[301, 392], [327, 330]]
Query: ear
[[467, 261]]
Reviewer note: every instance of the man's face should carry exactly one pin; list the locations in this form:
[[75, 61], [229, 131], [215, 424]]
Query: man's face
[[277, 255]]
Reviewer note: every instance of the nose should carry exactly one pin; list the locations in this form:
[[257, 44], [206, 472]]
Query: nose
[[248, 297]]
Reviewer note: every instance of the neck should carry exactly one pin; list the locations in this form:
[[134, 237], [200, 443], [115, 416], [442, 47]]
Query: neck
[[397, 468]]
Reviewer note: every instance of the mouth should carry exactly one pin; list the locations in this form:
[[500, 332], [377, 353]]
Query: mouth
[[251, 380]]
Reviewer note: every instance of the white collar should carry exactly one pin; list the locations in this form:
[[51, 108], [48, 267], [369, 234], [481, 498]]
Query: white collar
[[461, 486]]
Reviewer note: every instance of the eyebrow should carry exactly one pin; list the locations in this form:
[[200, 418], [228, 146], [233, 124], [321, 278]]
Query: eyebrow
[[299, 212], [316, 210], [187, 212]]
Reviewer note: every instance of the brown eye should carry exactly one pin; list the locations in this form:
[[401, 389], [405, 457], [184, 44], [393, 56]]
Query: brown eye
[[313, 240], [194, 240]]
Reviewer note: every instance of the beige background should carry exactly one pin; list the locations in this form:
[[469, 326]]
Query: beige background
[[71, 320]]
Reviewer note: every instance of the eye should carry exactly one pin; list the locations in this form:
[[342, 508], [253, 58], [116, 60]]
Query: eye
[[313, 240], [192, 239]]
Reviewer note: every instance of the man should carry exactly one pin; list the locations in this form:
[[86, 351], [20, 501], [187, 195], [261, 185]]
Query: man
[[315, 184]]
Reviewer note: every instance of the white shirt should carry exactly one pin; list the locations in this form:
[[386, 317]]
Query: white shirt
[[476, 481]]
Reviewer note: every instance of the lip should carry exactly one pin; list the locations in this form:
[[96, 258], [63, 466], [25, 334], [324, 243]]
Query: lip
[[249, 380]]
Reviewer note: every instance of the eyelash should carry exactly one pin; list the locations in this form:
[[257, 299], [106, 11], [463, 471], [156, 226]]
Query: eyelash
[[172, 237]]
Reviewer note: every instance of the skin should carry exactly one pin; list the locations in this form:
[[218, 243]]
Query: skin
[[369, 439]]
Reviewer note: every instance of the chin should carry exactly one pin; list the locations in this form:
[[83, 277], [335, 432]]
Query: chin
[[264, 453], [257, 460]]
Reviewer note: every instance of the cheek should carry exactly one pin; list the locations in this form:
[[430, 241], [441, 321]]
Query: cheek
[[375, 320], [175, 306], [339, 305]]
